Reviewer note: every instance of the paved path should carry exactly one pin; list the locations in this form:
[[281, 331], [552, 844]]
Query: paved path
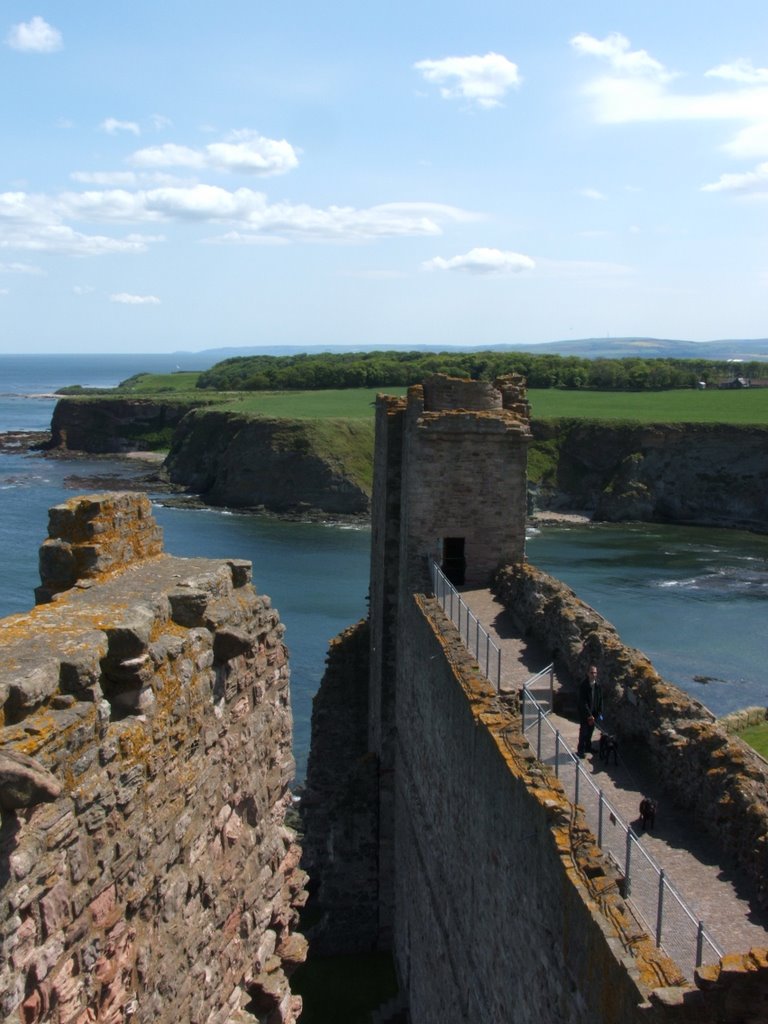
[[713, 889]]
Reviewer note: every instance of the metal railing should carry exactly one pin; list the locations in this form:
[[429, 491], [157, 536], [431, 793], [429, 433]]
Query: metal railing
[[653, 898], [475, 638]]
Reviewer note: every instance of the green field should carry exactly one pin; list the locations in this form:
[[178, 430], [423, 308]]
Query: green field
[[757, 737], [684, 406], [741, 407], [348, 403], [749, 406], [181, 383]]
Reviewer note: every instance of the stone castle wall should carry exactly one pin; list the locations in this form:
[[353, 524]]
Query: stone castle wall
[[463, 475], [505, 907], [496, 901], [146, 872], [340, 805], [703, 767]]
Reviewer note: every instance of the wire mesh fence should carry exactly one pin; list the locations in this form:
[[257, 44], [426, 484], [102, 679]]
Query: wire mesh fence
[[652, 897]]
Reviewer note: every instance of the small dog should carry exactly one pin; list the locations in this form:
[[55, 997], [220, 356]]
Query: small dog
[[647, 813], [608, 746]]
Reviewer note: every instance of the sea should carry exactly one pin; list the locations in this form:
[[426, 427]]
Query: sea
[[694, 600]]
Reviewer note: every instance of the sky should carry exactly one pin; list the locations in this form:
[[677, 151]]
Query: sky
[[182, 176]]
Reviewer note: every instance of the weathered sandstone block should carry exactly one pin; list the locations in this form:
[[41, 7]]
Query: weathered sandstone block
[[146, 873]]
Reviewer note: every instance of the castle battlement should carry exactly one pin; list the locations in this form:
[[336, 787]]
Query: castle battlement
[[146, 873]]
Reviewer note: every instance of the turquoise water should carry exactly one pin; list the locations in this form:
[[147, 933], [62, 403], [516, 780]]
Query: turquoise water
[[693, 600], [316, 575]]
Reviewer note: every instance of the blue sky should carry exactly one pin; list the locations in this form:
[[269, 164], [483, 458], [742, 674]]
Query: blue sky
[[190, 175]]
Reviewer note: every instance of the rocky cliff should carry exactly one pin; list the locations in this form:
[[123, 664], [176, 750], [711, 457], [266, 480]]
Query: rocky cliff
[[146, 871], [710, 474], [244, 462], [104, 425]]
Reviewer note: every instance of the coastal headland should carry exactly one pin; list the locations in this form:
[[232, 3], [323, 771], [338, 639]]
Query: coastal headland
[[713, 474]]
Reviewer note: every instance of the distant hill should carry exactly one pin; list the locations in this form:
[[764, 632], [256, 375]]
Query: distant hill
[[587, 348]]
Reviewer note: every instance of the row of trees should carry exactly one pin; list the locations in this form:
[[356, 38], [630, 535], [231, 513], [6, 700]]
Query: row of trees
[[397, 368]]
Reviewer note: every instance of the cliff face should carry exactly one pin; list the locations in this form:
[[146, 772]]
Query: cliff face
[[101, 426], [713, 475], [243, 462], [146, 872]]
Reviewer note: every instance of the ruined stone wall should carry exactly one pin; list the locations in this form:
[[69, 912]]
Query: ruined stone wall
[[702, 767], [464, 474], [340, 805], [146, 873], [505, 908]]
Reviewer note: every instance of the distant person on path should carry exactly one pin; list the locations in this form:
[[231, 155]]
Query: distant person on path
[[590, 710]]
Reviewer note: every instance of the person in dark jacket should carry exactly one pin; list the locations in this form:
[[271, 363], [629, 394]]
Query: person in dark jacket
[[590, 710]]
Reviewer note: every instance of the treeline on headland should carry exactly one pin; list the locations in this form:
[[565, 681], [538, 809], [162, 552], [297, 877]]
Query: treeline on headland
[[401, 369]]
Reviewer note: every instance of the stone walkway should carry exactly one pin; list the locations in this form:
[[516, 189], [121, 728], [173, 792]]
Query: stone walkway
[[712, 888]]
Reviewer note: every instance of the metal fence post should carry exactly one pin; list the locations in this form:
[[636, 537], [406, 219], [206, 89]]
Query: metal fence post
[[557, 754], [498, 670], [600, 819], [477, 640], [700, 944], [627, 863], [576, 783], [660, 908], [552, 689], [538, 735], [522, 707]]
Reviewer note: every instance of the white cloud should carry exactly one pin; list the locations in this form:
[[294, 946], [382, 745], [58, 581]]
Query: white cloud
[[83, 289], [750, 183], [244, 152], [112, 126], [638, 90], [60, 238], [740, 70], [135, 300], [484, 81], [615, 48], [160, 122], [39, 222], [483, 261], [591, 193], [19, 268], [35, 36], [252, 212], [749, 142]]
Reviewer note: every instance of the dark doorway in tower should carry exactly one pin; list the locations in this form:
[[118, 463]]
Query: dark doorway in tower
[[454, 562]]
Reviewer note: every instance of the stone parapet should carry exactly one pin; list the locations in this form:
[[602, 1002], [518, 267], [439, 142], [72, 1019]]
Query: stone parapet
[[702, 767], [146, 872], [736, 721], [89, 536], [506, 909]]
